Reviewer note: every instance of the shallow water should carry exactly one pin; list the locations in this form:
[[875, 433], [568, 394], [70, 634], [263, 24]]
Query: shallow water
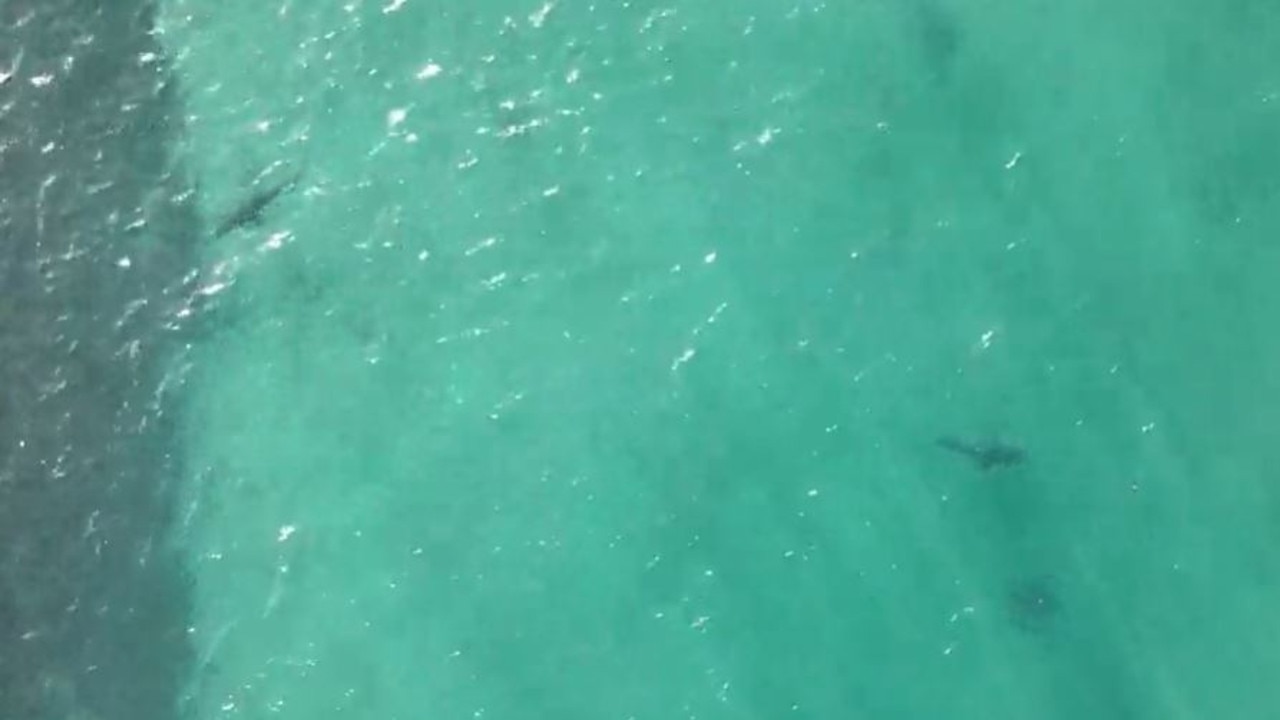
[[595, 364]]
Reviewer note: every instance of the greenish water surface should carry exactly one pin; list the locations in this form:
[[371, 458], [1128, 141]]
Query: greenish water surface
[[595, 366]]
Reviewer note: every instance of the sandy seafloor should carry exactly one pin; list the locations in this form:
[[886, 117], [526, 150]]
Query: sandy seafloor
[[593, 368]]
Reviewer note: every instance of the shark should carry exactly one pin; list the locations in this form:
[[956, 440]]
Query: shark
[[985, 454], [249, 211]]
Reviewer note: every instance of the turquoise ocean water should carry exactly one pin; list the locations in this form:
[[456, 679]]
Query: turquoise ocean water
[[594, 366]]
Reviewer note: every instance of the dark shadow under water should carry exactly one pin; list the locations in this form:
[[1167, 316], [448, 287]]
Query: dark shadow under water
[[96, 245]]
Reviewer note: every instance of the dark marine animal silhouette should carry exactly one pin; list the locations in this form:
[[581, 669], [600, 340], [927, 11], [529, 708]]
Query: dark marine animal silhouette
[[1033, 604], [250, 210], [987, 454]]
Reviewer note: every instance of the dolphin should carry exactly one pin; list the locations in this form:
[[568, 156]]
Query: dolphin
[[988, 454]]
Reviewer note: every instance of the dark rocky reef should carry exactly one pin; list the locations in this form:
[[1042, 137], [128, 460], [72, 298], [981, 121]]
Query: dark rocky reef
[[97, 234]]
